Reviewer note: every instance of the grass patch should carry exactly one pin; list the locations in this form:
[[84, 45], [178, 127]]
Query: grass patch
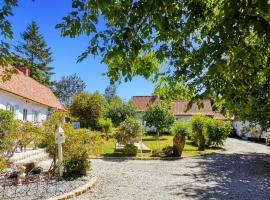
[[107, 149]]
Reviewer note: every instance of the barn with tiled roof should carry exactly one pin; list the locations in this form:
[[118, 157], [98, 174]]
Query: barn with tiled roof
[[179, 108]]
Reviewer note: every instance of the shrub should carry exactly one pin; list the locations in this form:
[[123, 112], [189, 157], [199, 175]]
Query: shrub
[[8, 135], [128, 131], [76, 163], [198, 129], [29, 133], [130, 150], [217, 132], [6, 122], [168, 151], [180, 131], [79, 144], [105, 126], [48, 137]]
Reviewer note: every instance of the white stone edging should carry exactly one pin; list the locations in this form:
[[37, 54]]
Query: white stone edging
[[78, 191]]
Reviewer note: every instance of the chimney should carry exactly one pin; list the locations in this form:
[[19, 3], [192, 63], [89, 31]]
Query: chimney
[[24, 70]]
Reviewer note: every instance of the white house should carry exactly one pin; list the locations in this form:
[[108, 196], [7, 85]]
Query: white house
[[26, 98]]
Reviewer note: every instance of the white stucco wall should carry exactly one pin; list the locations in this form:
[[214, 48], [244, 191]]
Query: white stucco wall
[[239, 125], [20, 104]]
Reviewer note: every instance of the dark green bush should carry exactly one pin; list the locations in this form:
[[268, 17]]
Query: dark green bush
[[76, 164], [209, 132], [199, 130], [217, 131], [130, 150]]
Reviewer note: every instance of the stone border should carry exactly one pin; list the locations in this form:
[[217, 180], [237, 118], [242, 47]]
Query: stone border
[[74, 193], [151, 158]]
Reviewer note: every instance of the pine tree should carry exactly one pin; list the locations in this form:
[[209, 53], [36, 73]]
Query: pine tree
[[35, 54]]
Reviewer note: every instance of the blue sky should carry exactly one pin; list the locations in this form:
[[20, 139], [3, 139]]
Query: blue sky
[[47, 13]]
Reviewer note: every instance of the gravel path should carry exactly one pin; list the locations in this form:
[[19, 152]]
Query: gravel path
[[222, 176]]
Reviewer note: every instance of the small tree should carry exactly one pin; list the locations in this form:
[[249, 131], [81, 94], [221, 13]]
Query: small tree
[[160, 117], [89, 108], [119, 110], [180, 131], [105, 126]]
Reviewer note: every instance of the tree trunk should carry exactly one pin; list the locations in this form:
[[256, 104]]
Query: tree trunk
[[158, 146], [178, 144], [201, 140]]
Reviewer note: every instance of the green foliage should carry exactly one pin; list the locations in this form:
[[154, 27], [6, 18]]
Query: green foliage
[[105, 126], [199, 130], [209, 132], [130, 150], [159, 116], [67, 86], [29, 133], [89, 108], [217, 132], [6, 10], [119, 110], [79, 144], [6, 122], [219, 49], [76, 162], [8, 133], [50, 126], [181, 128], [128, 131], [35, 54]]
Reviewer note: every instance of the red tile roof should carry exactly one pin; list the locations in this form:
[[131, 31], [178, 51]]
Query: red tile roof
[[28, 88], [142, 103]]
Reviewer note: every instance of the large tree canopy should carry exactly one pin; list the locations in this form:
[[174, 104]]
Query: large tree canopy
[[217, 49]]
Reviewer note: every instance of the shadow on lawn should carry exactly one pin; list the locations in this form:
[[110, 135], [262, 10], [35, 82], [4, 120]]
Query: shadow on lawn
[[226, 176]]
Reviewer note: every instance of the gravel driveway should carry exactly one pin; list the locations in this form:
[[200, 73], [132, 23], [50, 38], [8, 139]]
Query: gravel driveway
[[229, 175]]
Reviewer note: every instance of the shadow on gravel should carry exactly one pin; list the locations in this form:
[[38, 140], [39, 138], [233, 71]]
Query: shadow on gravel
[[227, 176]]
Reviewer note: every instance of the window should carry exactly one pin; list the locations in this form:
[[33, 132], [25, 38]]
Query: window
[[24, 114], [35, 116], [11, 108]]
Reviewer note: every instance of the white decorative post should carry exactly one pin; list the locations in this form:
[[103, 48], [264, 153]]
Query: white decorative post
[[60, 139]]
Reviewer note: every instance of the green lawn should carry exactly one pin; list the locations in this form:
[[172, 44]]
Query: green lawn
[[107, 149]]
